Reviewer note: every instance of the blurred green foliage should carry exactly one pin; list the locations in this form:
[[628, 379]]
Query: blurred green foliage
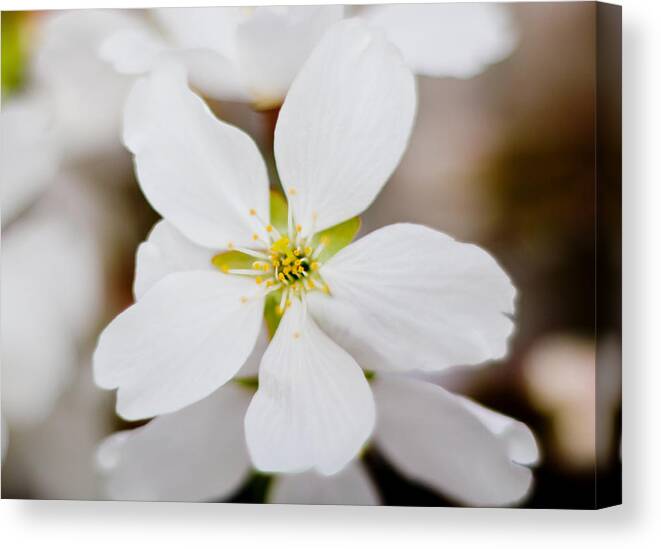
[[14, 51]]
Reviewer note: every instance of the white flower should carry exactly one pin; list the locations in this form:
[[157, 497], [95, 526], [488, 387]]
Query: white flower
[[84, 96], [50, 286], [454, 446], [50, 267], [24, 129], [250, 54], [404, 297], [253, 54], [447, 39], [579, 402]]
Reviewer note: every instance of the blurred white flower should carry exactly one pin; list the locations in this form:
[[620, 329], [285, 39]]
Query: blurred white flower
[[404, 297], [83, 95], [447, 39], [563, 377], [454, 446], [50, 266], [69, 110], [253, 54], [25, 127], [250, 54], [50, 300], [53, 459]]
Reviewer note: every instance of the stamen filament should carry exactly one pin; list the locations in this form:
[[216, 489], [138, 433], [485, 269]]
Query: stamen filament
[[320, 248], [252, 253], [290, 223], [246, 272], [266, 227]]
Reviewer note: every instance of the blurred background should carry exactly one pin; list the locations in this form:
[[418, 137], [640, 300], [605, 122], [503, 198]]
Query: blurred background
[[505, 159]]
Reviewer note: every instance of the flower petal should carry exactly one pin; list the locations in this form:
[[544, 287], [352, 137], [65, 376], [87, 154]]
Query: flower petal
[[202, 175], [196, 454], [313, 407], [250, 368], [432, 437], [273, 44], [408, 297], [138, 50], [447, 39], [132, 50], [344, 125], [211, 28], [186, 337], [520, 442], [164, 252], [212, 74], [351, 486]]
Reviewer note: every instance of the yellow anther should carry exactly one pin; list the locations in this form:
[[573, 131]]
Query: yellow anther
[[288, 304], [298, 228], [253, 211], [255, 236], [308, 250], [259, 280], [325, 289], [224, 268], [278, 310], [269, 228], [314, 266]]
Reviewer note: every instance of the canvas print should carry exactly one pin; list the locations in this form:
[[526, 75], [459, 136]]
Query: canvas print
[[328, 254]]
